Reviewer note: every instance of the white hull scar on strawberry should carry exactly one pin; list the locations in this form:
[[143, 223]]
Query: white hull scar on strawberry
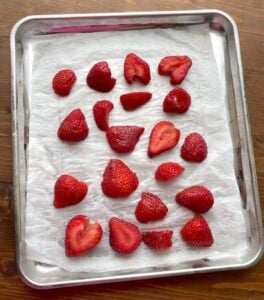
[[81, 236]]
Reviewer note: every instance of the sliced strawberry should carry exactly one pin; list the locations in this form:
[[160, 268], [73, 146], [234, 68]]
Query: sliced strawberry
[[100, 77], [63, 81], [123, 139], [197, 232], [177, 101], [131, 101], [136, 68], [150, 208], [158, 240], [68, 191], [81, 235], [124, 237], [168, 171], [175, 66], [194, 148], [118, 179], [196, 198], [74, 127], [164, 136], [101, 111]]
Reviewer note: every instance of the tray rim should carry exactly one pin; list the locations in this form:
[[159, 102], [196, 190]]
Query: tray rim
[[153, 274]]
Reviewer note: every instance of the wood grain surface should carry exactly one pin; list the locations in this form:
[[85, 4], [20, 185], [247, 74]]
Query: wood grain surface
[[245, 284]]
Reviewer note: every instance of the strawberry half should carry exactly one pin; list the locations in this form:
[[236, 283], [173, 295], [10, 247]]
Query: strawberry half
[[136, 68], [150, 208], [164, 136], [123, 139], [197, 232], [101, 111], [81, 235], [74, 127], [194, 148], [196, 198], [118, 179], [131, 101], [175, 66], [63, 81], [168, 171], [100, 78], [158, 240], [177, 101], [68, 191], [124, 237]]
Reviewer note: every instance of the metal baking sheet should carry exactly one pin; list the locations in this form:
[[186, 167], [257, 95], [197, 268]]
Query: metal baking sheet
[[224, 36]]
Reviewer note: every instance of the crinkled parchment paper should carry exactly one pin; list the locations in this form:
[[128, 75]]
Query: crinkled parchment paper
[[48, 157]]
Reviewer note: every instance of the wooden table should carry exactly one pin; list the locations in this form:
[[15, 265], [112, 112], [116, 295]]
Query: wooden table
[[246, 284]]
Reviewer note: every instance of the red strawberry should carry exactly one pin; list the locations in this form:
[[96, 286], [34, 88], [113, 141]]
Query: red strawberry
[[118, 179], [177, 101], [100, 78], [197, 233], [194, 148], [158, 240], [123, 139], [163, 137], [68, 191], [196, 198], [167, 171], [150, 208], [131, 101], [136, 68], [101, 111], [81, 235], [63, 81], [175, 66], [124, 237], [73, 128]]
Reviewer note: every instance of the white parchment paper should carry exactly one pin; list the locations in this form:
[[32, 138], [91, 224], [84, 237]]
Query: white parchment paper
[[48, 157]]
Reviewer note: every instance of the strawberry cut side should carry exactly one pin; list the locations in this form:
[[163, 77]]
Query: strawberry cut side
[[81, 236], [136, 68], [164, 136], [124, 237], [175, 66], [177, 101]]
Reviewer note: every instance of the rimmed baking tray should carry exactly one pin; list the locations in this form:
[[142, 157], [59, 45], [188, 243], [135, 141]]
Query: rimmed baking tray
[[225, 41]]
